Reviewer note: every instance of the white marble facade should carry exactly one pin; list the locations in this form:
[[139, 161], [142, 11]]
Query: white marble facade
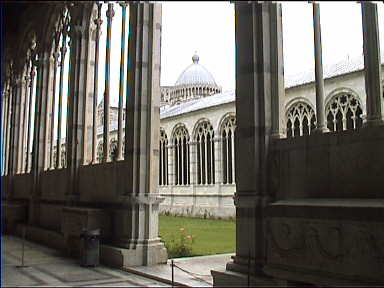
[[198, 122]]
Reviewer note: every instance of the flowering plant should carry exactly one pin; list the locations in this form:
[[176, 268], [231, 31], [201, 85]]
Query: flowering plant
[[181, 246]]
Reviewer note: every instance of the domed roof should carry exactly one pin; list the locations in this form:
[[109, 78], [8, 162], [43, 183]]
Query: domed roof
[[195, 74]]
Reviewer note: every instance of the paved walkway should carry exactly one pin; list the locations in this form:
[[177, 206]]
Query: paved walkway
[[190, 271], [48, 267]]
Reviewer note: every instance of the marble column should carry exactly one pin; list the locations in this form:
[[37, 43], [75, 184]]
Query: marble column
[[110, 13], [98, 21], [38, 147], [277, 75], [253, 34], [136, 225], [121, 85], [321, 126], [372, 65]]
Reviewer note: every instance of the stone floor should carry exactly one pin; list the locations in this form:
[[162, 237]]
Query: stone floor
[[49, 267]]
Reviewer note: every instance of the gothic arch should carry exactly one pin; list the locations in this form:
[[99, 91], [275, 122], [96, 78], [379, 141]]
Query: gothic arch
[[180, 143], [343, 110], [300, 118], [222, 119]]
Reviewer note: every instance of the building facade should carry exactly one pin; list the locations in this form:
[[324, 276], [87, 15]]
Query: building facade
[[198, 125]]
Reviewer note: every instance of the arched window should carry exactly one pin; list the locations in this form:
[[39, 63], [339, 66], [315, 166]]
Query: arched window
[[163, 158], [343, 112], [228, 149], [100, 152], [205, 153], [301, 120], [113, 150], [181, 156]]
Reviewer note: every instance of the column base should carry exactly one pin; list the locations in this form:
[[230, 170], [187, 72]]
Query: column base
[[320, 130], [144, 254]]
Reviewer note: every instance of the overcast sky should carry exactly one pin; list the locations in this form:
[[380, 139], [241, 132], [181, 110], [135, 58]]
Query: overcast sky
[[209, 29]]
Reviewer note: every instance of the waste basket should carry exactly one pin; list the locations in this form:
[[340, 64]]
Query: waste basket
[[90, 248]]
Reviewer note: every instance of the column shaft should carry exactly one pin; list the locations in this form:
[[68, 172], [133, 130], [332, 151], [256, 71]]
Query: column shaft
[[372, 65], [110, 14], [320, 110], [121, 85]]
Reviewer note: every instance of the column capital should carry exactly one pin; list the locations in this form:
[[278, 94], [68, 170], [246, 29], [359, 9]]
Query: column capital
[[123, 4], [110, 12]]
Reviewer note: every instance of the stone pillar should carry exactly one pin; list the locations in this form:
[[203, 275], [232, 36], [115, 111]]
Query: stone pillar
[[98, 22], [121, 85], [136, 222], [110, 14], [321, 126], [38, 147], [16, 126], [254, 32], [78, 90], [277, 76], [372, 65], [23, 168], [5, 129]]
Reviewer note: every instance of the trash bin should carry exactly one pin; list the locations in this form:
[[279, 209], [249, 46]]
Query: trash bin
[[90, 248]]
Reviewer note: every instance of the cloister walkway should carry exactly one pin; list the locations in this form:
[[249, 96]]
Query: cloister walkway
[[49, 267]]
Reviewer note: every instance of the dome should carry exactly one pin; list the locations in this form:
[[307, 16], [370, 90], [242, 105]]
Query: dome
[[195, 74]]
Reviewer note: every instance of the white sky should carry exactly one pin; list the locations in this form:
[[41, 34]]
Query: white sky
[[209, 29]]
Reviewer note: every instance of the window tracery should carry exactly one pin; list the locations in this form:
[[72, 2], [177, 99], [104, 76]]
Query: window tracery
[[205, 153], [181, 156], [163, 158], [344, 112], [301, 120], [228, 144]]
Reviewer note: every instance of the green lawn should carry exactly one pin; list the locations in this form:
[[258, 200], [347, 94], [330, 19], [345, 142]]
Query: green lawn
[[211, 236]]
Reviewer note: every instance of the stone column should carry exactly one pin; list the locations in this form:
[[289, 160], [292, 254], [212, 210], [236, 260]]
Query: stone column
[[254, 31], [47, 94], [23, 168], [277, 76], [372, 65], [136, 225], [5, 129], [110, 14], [321, 127], [98, 22], [38, 147], [52, 128], [17, 124], [121, 85], [30, 119], [63, 51], [78, 90]]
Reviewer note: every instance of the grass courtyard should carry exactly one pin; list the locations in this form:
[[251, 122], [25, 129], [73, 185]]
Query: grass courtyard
[[210, 236]]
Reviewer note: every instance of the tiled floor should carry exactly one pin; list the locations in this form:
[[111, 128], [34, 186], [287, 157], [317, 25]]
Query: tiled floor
[[47, 267]]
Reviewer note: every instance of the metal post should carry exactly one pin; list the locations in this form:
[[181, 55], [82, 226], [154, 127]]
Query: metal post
[[22, 250], [173, 277]]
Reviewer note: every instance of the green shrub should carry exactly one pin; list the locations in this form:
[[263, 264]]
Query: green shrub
[[180, 246]]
